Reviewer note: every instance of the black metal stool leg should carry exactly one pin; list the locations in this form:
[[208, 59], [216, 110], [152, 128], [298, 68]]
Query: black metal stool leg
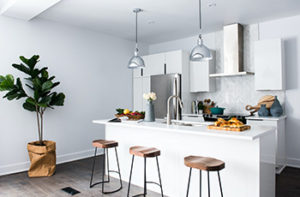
[[189, 180], [208, 184], [103, 171], [130, 176], [161, 189], [93, 167], [117, 158], [200, 182], [220, 183], [145, 176]]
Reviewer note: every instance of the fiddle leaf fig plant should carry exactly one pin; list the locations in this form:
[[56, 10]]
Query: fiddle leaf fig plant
[[39, 95]]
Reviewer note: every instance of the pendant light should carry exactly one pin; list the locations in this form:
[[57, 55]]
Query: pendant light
[[136, 61], [200, 52]]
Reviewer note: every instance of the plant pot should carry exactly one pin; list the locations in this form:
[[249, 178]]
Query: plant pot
[[42, 159]]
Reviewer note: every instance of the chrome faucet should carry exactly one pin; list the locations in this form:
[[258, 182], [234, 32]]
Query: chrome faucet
[[168, 113]]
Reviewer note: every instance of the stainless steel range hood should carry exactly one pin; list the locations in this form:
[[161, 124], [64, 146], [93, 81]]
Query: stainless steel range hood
[[233, 51]]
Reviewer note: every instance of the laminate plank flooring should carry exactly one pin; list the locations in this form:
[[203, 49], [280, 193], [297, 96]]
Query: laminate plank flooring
[[77, 175]]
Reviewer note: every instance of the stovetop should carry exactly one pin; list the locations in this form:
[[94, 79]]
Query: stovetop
[[212, 118]]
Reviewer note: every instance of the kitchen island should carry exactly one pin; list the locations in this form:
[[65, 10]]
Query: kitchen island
[[249, 157]]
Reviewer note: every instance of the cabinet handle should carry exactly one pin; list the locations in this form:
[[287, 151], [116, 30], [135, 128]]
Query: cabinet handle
[[165, 68], [142, 72]]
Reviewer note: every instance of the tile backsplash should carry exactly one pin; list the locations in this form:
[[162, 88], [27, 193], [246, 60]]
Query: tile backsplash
[[234, 93]]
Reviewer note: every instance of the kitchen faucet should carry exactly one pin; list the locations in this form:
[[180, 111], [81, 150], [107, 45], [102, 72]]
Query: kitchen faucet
[[168, 103]]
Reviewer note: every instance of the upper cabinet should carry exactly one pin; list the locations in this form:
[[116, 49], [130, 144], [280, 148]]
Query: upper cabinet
[[154, 64], [269, 66], [173, 61], [199, 76]]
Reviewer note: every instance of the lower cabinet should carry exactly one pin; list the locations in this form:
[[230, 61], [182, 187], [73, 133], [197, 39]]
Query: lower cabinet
[[279, 123]]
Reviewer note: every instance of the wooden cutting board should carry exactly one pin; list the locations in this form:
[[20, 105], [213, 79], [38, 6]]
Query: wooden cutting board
[[238, 129]]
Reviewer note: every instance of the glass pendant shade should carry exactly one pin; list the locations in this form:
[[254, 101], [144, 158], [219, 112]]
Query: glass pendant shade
[[200, 52], [136, 62]]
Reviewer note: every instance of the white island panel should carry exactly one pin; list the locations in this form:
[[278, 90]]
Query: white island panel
[[249, 157]]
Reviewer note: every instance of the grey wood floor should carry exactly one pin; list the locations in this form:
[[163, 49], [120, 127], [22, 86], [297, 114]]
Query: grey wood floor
[[75, 174]]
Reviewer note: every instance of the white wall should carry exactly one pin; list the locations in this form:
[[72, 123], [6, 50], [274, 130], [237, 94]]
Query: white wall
[[286, 28], [289, 30], [92, 69]]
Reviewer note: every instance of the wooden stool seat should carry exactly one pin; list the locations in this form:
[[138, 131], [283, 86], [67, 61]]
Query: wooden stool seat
[[204, 163], [144, 151], [105, 143]]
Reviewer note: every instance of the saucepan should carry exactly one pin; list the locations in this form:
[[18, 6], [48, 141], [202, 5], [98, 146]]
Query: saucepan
[[217, 110]]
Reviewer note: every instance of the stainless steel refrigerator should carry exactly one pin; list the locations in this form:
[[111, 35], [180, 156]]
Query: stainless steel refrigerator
[[165, 86]]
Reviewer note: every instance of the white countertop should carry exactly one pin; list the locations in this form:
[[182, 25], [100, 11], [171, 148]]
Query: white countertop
[[199, 129], [270, 118]]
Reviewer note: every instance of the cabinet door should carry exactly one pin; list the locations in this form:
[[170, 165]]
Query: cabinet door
[[137, 94], [174, 62], [154, 64], [199, 77], [146, 89], [268, 62], [137, 72]]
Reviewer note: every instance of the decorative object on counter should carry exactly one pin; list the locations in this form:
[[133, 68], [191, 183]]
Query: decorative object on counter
[[263, 111], [200, 107], [217, 110], [268, 100], [207, 105], [129, 114], [200, 52], [231, 125], [42, 153], [276, 109], [149, 112], [136, 61]]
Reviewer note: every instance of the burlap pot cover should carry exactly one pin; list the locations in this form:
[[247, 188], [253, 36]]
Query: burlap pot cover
[[42, 159]]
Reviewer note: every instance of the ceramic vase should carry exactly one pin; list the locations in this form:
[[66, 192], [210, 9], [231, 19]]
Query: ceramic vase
[[263, 110], [276, 109], [149, 112]]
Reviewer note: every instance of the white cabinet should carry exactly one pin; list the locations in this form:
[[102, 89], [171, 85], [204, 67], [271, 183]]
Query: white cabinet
[[268, 62], [141, 85], [154, 64], [173, 61], [137, 72], [137, 93], [199, 76], [279, 123]]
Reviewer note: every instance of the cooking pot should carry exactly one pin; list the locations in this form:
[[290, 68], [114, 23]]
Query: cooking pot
[[217, 110]]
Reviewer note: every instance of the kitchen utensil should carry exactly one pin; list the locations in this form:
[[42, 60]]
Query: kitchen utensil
[[239, 129], [268, 100], [217, 110]]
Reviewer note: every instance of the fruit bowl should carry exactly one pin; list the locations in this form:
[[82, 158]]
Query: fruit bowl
[[130, 115]]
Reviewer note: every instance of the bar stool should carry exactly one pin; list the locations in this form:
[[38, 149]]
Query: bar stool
[[105, 145], [207, 164], [145, 152]]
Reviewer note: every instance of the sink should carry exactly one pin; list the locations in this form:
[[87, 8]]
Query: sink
[[183, 123]]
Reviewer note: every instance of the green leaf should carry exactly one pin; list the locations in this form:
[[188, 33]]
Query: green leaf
[[47, 85], [7, 83], [57, 99], [31, 101], [22, 68], [29, 106], [45, 74], [37, 83], [30, 62]]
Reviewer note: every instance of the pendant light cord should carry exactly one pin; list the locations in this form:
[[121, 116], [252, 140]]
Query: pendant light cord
[[136, 30], [200, 17]]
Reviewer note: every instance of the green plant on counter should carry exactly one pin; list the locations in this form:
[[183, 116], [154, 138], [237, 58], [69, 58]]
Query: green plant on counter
[[40, 85]]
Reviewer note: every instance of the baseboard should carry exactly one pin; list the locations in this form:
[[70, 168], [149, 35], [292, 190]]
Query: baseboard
[[293, 162], [23, 166]]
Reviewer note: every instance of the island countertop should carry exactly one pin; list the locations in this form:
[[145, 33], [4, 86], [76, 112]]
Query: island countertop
[[197, 129]]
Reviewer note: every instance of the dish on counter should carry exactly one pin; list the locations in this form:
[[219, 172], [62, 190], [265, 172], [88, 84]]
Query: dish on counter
[[231, 125], [129, 114]]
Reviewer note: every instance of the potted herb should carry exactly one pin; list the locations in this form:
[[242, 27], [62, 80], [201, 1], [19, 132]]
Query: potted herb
[[42, 153]]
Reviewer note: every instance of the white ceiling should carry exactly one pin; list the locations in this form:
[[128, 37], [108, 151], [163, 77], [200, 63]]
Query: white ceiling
[[164, 20]]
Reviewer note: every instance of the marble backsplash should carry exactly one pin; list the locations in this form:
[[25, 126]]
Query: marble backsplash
[[234, 93]]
